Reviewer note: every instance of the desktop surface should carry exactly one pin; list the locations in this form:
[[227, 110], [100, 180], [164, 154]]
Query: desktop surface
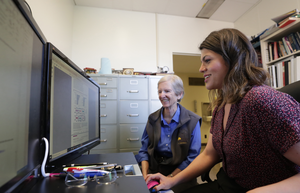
[[124, 184]]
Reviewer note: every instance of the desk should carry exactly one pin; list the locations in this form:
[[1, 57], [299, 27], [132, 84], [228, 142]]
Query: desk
[[124, 184]]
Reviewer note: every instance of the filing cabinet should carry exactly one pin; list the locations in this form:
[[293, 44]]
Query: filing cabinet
[[108, 118], [126, 102]]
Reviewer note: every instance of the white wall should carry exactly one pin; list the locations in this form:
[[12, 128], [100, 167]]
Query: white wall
[[259, 18], [127, 38], [182, 35], [55, 18]]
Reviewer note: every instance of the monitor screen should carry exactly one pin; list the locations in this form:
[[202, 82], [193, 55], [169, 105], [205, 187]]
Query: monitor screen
[[22, 70], [73, 109]]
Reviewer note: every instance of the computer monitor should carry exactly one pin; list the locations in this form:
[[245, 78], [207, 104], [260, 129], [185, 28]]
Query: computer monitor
[[22, 49], [73, 110]]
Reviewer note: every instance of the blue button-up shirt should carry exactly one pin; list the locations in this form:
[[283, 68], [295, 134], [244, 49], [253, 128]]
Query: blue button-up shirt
[[164, 144]]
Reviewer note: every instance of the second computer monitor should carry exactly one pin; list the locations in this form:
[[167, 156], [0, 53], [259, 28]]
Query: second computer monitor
[[73, 109]]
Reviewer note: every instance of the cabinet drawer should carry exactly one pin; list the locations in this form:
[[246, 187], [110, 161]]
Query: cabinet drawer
[[130, 135], [108, 137], [108, 93], [133, 88], [106, 81], [108, 112], [133, 111]]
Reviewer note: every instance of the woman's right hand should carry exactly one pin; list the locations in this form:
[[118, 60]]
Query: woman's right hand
[[165, 183]]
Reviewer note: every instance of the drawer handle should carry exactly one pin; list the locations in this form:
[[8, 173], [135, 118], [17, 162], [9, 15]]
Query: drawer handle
[[133, 91], [102, 83], [105, 115], [103, 95], [103, 140], [133, 115], [133, 139]]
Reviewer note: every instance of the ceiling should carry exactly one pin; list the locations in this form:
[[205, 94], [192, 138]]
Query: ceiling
[[229, 11]]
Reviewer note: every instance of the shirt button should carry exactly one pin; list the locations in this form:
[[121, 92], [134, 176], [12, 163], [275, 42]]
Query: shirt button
[[167, 144], [168, 135]]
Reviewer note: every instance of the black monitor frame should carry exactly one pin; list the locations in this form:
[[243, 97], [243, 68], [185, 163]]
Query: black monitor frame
[[77, 151], [36, 120]]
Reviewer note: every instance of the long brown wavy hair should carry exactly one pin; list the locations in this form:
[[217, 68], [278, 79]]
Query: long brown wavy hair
[[240, 56]]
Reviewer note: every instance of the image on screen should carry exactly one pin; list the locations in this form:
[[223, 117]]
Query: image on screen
[[74, 108]]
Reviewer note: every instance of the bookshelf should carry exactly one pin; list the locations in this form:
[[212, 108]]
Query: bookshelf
[[284, 69]]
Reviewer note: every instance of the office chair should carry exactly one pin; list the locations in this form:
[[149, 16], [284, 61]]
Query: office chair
[[291, 89]]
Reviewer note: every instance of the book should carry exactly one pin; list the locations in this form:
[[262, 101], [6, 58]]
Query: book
[[279, 50], [286, 46], [279, 74], [293, 43], [271, 76], [275, 51], [283, 74], [287, 22], [297, 38], [274, 76], [286, 72], [297, 68], [285, 15], [282, 48], [291, 71], [297, 34], [270, 44]]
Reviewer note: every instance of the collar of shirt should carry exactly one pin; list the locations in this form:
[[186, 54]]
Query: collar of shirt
[[174, 118]]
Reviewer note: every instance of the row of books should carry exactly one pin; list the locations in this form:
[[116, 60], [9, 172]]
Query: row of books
[[286, 46], [285, 72]]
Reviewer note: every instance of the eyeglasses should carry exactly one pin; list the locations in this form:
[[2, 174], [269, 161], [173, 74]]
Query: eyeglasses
[[105, 177]]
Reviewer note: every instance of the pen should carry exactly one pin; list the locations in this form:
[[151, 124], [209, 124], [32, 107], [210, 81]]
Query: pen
[[87, 171], [77, 175], [90, 164]]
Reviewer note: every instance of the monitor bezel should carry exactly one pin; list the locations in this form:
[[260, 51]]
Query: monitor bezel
[[52, 164], [17, 182]]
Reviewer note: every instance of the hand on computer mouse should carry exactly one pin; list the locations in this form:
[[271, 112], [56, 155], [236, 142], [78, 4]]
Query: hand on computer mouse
[[164, 183], [151, 184]]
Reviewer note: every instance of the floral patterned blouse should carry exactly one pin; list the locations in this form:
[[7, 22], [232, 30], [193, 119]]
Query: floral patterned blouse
[[260, 129]]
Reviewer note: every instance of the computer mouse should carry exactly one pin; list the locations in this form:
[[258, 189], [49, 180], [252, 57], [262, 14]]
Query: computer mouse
[[151, 184]]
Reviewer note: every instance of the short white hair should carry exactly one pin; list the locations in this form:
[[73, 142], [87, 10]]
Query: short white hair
[[176, 83]]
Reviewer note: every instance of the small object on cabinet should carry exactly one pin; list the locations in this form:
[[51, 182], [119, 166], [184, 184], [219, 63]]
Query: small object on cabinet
[[128, 71], [90, 70]]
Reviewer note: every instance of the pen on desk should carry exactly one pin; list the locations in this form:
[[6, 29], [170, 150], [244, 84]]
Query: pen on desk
[[77, 175], [87, 171], [90, 164]]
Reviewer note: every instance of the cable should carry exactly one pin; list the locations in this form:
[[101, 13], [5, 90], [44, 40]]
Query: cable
[[28, 7], [45, 158]]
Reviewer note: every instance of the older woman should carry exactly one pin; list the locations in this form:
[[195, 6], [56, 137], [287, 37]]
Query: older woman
[[255, 129], [172, 139]]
